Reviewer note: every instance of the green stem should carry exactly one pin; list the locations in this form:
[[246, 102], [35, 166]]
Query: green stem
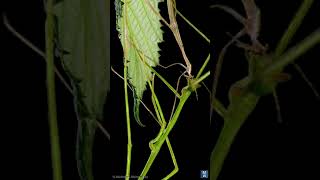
[[52, 109], [239, 110], [125, 76], [293, 26], [198, 80], [294, 53], [236, 115], [129, 145], [203, 67]]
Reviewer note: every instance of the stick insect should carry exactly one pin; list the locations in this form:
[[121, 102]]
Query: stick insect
[[131, 44], [162, 122], [159, 118], [252, 24]]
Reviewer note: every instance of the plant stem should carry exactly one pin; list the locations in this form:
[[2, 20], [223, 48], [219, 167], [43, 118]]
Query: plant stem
[[294, 53], [293, 27], [203, 66], [52, 109], [236, 115], [240, 109], [129, 145], [198, 80]]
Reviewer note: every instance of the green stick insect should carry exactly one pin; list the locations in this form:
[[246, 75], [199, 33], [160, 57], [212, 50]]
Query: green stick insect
[[140, 55]]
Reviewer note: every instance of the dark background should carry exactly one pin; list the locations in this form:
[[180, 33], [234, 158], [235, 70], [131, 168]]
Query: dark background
[[264, 148]]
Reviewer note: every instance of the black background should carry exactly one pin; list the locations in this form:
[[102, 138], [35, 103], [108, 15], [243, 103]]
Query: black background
[[263, 149]]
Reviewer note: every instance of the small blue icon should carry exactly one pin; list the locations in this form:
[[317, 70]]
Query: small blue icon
[[204, 174]]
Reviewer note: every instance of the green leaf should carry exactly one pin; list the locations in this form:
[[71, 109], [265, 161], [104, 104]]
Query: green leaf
[[84, 32], [139, 32]]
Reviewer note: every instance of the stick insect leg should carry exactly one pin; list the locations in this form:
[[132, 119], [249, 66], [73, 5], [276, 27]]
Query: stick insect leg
[[175, 98], [218, 67], [195, 28], [159, 114], [248, 47], [142, 57], [277, 104], [162, 122], [176, 168], [232, 12], [160, 65], [175, 30], [305, 78]]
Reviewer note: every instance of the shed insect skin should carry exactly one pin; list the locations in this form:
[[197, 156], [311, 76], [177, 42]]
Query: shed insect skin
[[251, 23], [171, 4], [173, 26], [251, 28]]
